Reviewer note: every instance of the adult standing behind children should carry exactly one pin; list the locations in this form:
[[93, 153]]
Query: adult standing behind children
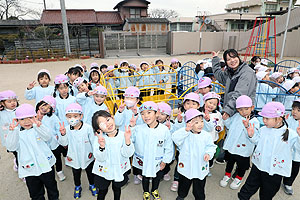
[[238, 78]]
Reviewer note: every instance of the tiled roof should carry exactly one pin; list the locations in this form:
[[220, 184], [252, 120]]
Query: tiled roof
[[147, 20], [108, 17], [19, 22]]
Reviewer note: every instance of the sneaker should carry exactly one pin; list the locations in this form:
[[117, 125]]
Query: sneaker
[[93, 189], [224, 181], [220, 162], [155, 195], [15, 168], [140, 177], [236, 183], [24, 180], [146, 196], [61, 176], [174, 186], [209, 174], [136, 180], [288, 189], [77, 192], [167, 177]]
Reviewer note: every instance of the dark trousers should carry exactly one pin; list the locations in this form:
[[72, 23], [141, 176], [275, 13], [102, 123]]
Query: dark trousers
[[268, 185], [57, 153], [145, 92], [36, 184], [173, 89], [243, 163], [136, 171], [176, 174], [167, 168], [155, 182], [77, 174], [102, 185], [159, 92], [198, 187], [295, 170]]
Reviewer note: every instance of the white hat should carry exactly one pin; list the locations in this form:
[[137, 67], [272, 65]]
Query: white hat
[[292, 70], [276, 75], [207, 65], [263, 69], [296, 79], [260, 75], [264, 61], [257, 66], [288, 84], [200, 61]]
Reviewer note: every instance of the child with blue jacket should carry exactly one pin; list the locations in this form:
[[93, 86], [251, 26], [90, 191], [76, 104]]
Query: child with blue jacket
[[196, 149]]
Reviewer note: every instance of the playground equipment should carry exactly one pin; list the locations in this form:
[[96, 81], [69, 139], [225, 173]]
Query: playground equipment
[[284, 65]]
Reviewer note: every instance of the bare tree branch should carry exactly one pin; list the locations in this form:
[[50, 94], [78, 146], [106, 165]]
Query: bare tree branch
[[163, 13], [15, 9]]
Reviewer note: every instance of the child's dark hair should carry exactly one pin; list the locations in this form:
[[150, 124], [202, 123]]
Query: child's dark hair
[[296, 104], [74, 70], [285, 135], [42, 74], [159, 60], [100, 113], [103, 67], [57, 86], [90, 76], [208, 72], [2, 107], [89, 86], [79, 68], [37, 107]]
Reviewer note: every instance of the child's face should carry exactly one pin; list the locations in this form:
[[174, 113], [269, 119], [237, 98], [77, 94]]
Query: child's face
[[44, 108], [280, 79], [106, 125], [73, 77], [266, 78], [296, 113], [246, 111], [75, 116], [99, 98], [145, 67], [211, 104], [63, 90], [161, 117], [198, 126], [111, 74], [95, 77], [175, 65], [188, 104], [44, 81], [148, 116], [10, 103], [205, 90], [159, 63], [103, 70], [272, 122], [83, 87], [294, 89], [26, 123]]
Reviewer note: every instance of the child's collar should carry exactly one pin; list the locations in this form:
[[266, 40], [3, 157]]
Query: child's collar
[[64, 98], [195, 132], [155, 126]]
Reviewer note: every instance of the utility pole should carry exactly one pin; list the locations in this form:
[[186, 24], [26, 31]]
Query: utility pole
[[45, 7], [65, 27], [286, 28]]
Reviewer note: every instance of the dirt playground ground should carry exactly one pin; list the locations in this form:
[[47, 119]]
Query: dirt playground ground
[[16, 77]]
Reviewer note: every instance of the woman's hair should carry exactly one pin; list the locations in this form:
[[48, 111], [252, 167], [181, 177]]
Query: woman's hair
[[100, 113], [74, 70], [57, 86], [232, 53], [90, 76], [285, 135], [254, 58], [42, 74], [37, 107]]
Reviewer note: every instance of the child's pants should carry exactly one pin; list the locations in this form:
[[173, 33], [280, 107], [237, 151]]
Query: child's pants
[[198, 187], [176, 174], [295, 170], [243, 163], [155, 182], [88, 170], [35, 185], [57, 153], [268, 185]]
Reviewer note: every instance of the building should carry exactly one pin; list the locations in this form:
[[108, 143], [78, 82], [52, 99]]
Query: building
[[193, 24]]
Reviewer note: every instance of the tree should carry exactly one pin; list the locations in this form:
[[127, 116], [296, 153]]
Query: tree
[[14, 9], [163, 13]]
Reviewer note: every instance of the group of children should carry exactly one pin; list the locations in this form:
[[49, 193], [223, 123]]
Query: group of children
[[72, 120]]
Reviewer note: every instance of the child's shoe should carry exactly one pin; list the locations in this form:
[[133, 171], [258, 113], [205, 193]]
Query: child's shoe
[[174, 186], [77, 192], [93, 189], [167, 177], [224, 181], [235, 184], [146, 196], [288, 190], [61, 176], [155, 195], [136, 180]]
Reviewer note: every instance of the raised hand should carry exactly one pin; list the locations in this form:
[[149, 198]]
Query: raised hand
[[206, 157], [13, 125], [179, 118], [215, 53], [134, 109], [127, 135], [31, 85], [62, 128], [298, 129], [250, 130], [34, 120], [168, 124], [39, 115], [246, 122], [225, 116], [84, 66], [122, 106], [101, 140], [189, 125], [133, 120], [287, 116], [90, 93], [206, 116], [162, 165]]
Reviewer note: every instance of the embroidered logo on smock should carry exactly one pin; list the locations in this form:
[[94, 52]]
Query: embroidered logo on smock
[[160, 143], [28, 166], [90, 155], [69, 159], [139, 161], [205, 167], [278, 163], [102, 169], [181, 165]]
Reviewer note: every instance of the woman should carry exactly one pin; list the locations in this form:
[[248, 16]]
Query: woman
[[238, 78]]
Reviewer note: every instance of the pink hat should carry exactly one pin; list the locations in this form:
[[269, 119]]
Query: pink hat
[[101, 90], [45, 71], [123, 61], [144, 62], [111, 67], [94, 70], [192, 96], [148, 105], [94, 65], [74, 108], [211, 95], [78, 81], [164, 108], [24, 111], [289, 84], [132, 65], [50, 100], [204, 82], [276, 75], [174, 60], [191, 114], [272, 110], [260, 75], [61, 78], [7, 94], [132, 91], [243, 102]]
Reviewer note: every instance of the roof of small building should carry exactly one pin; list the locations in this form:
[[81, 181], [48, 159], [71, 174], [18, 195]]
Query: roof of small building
[[108, 17], [19, 22], [147, 20]]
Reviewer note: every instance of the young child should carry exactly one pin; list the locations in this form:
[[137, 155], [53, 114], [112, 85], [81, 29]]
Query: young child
[[292, 87], [82, 85], [45, 109], [111, 79], [111, 151], [73, 73], [277, 77], [200, 68], [91, 102], [28, 137], [272, 157], [8, 104], [146, 80], [175, 67], [37, 93], [79, 137], [94, 78], [153, 148], [161, 78], [103, 68], [123, 74], [292, 73], [197, 148], [63, 99], [293, 122], [204, 87], [238, 148]]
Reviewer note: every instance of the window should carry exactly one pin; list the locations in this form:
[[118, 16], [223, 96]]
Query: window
[[173, 27], [185, 27], [237, 26], [135, 13], [271, 7], [246, 10]]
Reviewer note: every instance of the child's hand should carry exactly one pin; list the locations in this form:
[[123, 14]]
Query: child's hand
[[225, 116], [133, 120], [215, 53], [91, 93], [189, 125], [206, 116], [35, 121], [127, 135], [179, 118], [122, 106], [83, 66], [134, 109], [250, 130], [39, 116], [13, 125], [101, 139], [298, 129], [162, 165], [90, 83], [168, 124], [206, 157], [31, 85], [160, 81], [246, 122], [287, 116], [62, 128]]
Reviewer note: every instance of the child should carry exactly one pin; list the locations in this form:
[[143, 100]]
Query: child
[[200, 68], [197, 148], [153, 148], [292, 73], [37, 93], [103, 68], [112, 151], [272, 157], [28, 137], [238, 148], [79, 138], [45, 109], [123, 75], [292, 87], [9, 103], [293, 122], [204, 87], [63, 99], [82, 85], [277, 77], [94, 78], [73, 73], [161, 78], [91, 102], [175, 67], [111, 79], [146, 79], [254, 61]]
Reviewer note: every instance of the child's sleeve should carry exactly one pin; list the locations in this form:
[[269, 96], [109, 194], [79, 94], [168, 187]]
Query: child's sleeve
[[43, 132], [119, 118], [99, 154], [165, 78], [63, 140], [179, 136], [127, 150], [81, 98], [227, 122], [12, 140], [210, 148], [168, 148], [30, 94], [208, 126]]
